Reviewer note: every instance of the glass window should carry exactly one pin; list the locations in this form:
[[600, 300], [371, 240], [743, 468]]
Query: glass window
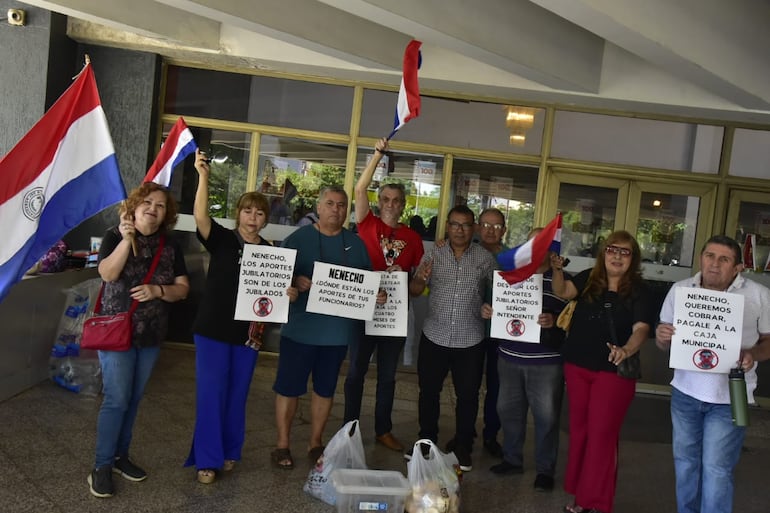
[[507, 187], [298, 104], [292, 171], [261, 100], [666, 228], [463, 124], [421, 176], [207, 94], [754, 219], [638, 142], [751, 154], [588, 217], [229, 153]]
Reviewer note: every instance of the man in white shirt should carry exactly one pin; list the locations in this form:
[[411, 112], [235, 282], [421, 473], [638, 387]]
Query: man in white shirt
[[706, 444]]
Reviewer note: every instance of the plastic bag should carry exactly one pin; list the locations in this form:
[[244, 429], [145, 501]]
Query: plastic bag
[[435, 480], [344, 450], [70, 367]]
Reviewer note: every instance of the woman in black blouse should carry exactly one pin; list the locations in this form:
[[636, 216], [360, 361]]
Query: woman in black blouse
[[610, 323]]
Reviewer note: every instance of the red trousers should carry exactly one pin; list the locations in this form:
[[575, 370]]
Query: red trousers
[[598, 402]]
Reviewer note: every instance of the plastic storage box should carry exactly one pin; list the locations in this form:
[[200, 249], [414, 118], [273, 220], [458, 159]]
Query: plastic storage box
[[370, 490]]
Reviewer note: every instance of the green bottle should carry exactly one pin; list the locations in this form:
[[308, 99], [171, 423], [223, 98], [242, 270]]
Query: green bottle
[[739, 402]]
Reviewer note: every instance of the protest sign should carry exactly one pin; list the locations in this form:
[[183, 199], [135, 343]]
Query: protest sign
[[265, 274], [516, 309], [707, 330], [390, 319], [343, 291]]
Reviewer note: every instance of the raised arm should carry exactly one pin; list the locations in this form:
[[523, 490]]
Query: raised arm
[[111, 266], [201, 205], [362, 185], [565, 289]]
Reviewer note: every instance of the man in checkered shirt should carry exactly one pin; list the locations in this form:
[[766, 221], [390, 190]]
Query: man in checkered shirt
[[453, 330]]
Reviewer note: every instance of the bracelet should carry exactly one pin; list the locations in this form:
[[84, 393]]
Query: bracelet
[[379, 151], [162, 292]]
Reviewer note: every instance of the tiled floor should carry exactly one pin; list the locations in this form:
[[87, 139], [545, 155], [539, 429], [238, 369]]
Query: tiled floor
[[47, 440]]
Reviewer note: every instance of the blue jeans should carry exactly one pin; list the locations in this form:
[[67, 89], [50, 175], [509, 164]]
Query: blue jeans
[[707, 447], [540, 387], [388, 353], [125, 374]]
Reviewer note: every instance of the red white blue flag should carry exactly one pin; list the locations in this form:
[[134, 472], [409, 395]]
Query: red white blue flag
[[177, 146], [521, 262], [408, 106], [62, 172]]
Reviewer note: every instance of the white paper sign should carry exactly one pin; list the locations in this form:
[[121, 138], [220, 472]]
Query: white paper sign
[[265, 274], [424, 171], [516, 309], [343, 291], [708, 327], [390, 319]]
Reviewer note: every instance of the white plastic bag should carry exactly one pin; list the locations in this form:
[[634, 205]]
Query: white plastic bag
[[435, 480], [344, 450]]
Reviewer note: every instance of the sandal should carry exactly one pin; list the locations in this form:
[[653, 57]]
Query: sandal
[[315, 453], [206, 475], [228, 465], [281, 458]]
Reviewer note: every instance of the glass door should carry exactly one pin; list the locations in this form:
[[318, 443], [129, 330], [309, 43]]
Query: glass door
[[748, 218], [670, 220], [592, 207]]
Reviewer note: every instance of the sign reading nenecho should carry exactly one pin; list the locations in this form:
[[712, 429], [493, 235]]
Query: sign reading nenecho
[[708, 326], [266, 272], [343, 291]]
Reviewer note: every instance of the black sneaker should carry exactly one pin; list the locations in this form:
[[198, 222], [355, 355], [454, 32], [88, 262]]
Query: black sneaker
[[504, 468], [100, 482], [450, 446], [493, 448], [543, 483], [128, 470], [463, 458]]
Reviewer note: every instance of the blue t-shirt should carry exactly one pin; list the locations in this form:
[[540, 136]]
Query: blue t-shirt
[[345, 249]]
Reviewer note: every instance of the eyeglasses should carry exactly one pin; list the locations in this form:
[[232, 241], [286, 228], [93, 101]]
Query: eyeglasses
[[497, 226], [457, 226], [617, 250]]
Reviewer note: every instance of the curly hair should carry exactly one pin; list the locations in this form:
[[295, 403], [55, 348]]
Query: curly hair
[[137, 196], [597, 281]]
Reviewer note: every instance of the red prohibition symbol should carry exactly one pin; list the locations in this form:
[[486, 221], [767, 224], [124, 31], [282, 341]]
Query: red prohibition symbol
[[263, 306], [515, 327]]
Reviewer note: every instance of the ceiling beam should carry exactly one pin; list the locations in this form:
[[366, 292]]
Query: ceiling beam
[[311, 25], [721, 46], [512, 35], [145, 17]]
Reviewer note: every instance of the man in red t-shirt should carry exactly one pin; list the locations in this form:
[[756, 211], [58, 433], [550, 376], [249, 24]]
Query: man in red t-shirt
[[392, 246]]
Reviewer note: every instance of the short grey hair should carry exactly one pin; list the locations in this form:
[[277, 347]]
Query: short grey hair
[[331, 188]]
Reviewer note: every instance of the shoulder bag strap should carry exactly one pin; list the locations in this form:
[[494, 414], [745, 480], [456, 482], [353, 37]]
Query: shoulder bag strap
[[147, 278]]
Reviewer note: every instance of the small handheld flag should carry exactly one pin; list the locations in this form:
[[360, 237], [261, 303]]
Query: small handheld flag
[[408, 106], [178, 145], [521, 262]]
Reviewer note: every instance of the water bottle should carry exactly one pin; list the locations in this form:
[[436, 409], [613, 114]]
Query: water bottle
[[739, 402]]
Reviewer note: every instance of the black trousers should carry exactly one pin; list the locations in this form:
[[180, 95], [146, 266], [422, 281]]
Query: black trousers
[[434, 362]]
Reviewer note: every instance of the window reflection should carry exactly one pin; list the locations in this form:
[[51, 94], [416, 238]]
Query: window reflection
[[509, 188], [666, 228], [754, 219], [292, 171], [229, 153], [588, 217]]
